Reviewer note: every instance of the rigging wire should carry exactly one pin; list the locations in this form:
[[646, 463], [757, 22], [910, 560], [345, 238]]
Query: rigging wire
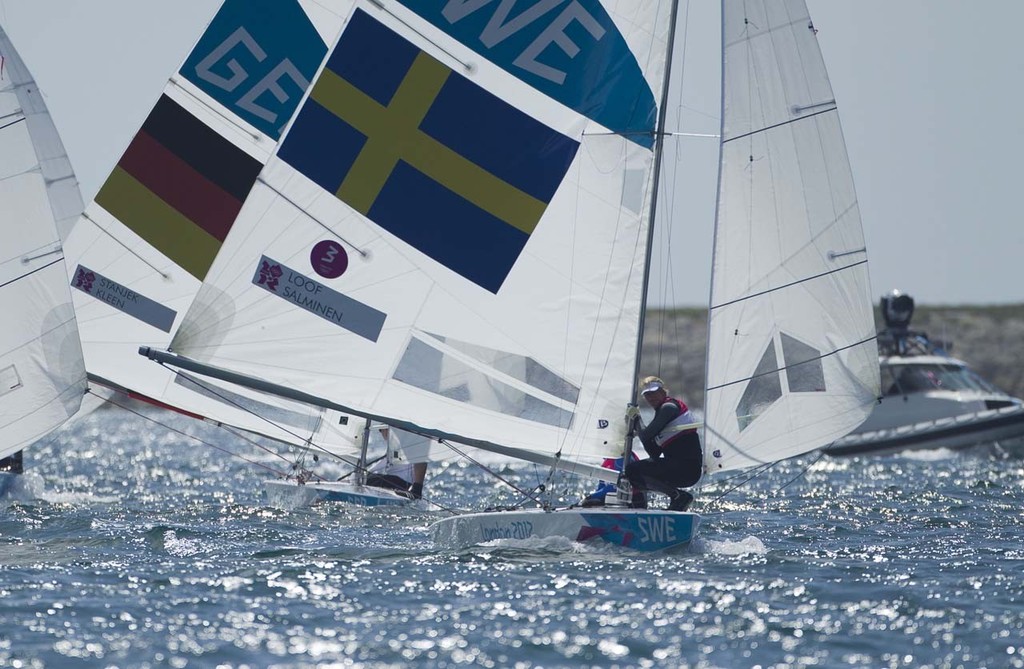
[[213, 390], [758, 471], [235, 433], [526, 494], [191, 436], [800, 474]]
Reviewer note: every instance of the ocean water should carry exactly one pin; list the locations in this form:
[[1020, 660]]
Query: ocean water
[[131, 545]]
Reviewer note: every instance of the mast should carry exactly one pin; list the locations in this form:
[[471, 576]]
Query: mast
[[718, 204], [659, 141], [361, 467]]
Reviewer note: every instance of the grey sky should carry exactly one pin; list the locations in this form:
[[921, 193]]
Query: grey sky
[[928, 92]]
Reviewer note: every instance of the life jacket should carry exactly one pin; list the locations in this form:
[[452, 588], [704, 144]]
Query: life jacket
[[678, 425]]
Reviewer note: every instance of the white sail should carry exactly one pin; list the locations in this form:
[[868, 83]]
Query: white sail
[[142, 247], [453, 231], [792, 359], [42, 376]]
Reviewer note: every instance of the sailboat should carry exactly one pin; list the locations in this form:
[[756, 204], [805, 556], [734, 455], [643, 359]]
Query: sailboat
[[141, 248], [486, 177], [395, 453], [42, 374]]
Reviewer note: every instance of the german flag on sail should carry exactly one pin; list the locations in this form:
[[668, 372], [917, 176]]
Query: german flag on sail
[[179, 186], [426, 154]]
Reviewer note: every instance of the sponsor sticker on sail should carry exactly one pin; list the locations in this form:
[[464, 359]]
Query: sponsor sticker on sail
[[123, 299], [318, 299], [328, 259], [441, 163]]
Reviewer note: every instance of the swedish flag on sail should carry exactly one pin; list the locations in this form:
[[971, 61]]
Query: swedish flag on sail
[[425, 153]]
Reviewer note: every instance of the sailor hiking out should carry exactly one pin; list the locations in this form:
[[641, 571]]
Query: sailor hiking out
[[676, 460]]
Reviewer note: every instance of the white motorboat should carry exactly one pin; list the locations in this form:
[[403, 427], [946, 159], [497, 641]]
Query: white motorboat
[[930, 399]]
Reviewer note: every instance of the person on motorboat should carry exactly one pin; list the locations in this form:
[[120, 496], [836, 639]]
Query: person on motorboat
[[12, 464], [393, 473], [676, 459]]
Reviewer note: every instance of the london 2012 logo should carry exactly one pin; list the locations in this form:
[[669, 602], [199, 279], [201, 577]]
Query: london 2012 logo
[[270, 275], [329, 259], [84, 280]]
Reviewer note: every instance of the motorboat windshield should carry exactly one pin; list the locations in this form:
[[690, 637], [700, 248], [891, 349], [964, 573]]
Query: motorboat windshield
[[919, 377]]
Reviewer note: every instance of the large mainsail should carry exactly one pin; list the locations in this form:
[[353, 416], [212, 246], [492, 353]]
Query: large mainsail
[[42, 376], [792, 359], [145, 243], [453, 231]]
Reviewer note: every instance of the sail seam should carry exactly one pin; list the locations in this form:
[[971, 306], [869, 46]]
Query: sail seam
[[256, 137], [380, 5], [788, 285], [28, 274], [796, 364], [3, 127], [323, 225], [779, 125], [125, 246]]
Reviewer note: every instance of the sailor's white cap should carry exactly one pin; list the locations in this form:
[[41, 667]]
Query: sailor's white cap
[[652, 386]]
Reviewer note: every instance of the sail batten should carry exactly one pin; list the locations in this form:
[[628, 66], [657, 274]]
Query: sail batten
[[771, 372], [796, 282], [781, 124]]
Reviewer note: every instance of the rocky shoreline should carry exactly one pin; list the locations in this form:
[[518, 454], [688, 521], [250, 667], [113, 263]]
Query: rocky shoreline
[[989, 338]]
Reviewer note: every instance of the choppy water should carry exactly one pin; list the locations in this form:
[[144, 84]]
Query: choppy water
[[127, 545]]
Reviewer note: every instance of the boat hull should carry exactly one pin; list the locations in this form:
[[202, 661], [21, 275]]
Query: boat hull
[[292, 494], [638, 529], [954, 432]]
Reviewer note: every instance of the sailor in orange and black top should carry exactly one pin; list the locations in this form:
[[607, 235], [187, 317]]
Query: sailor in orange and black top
[[676, 459]]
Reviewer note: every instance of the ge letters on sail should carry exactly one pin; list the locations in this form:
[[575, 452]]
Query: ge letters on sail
[[256, 58]]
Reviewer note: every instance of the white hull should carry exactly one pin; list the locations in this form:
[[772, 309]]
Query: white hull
[[954, 432], [639, 529], [960, 410], [289, 493]]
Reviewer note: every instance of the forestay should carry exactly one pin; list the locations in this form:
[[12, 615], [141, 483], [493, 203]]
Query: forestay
[[792, 359], [144, 244], [453, 231], [42, 376]]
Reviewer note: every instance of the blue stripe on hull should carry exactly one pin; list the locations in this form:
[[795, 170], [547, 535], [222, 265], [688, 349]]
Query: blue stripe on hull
[[361, 500], [644, 532], [640, 530]]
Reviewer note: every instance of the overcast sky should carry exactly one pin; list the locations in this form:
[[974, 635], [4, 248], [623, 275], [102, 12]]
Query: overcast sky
[[928, 93]]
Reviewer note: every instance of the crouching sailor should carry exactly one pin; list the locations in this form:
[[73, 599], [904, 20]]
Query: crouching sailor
[[676, 460]]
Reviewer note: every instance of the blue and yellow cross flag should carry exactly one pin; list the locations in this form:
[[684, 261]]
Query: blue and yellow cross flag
[[426, 154]]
